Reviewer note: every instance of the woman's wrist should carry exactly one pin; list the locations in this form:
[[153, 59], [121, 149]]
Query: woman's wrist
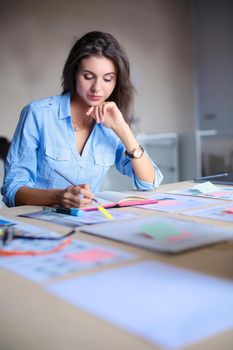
[[126, 136]]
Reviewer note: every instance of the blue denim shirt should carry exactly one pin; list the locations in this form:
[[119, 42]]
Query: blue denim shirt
[[44, 139]]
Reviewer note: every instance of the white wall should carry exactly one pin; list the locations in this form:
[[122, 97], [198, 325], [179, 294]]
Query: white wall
[[36, 37]]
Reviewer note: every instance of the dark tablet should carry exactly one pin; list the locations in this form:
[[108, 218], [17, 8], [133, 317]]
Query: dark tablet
[[221, 179]]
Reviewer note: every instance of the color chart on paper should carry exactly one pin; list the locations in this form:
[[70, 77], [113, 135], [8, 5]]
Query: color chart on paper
[[162, 234], [175, 203], [220, 212], [76, 221], [73, 257], [222, 193]]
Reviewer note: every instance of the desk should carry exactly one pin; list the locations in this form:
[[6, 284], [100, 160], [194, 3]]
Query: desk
[[33, 319]]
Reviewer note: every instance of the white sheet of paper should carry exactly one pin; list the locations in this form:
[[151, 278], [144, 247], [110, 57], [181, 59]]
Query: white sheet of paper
[[206, 187], [165, 305]]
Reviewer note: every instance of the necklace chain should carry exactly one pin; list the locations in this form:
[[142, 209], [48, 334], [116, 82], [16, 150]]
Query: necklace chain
[[77, 128]]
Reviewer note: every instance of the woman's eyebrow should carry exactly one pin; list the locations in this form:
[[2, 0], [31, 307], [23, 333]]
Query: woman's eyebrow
[[87, 71], [114, 73], [90, 72]]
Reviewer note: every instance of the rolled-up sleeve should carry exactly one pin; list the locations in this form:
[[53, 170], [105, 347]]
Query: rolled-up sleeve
[[21, 163]]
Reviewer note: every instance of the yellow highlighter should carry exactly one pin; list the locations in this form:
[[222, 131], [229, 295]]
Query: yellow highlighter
[[99, 206], [102, 209]]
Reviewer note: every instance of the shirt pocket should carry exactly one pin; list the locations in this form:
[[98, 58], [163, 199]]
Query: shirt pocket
[[102, 163], [57, 153], [104, 160], [56, 158]]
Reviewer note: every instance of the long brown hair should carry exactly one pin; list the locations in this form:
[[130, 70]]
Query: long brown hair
[[102, 44]]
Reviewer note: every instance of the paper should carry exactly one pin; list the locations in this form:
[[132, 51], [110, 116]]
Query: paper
[[161, 234], [176, 203], [166, 306], [220, 212], [76, 221], [75, 257], [206, 187], [221, 193]]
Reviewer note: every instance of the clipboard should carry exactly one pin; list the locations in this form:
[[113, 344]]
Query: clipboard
[[221, 179]]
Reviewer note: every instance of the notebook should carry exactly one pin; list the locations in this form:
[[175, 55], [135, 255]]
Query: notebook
[[114, 199]]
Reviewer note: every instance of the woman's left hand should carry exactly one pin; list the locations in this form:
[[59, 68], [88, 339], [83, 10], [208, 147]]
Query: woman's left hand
[[108, 114]]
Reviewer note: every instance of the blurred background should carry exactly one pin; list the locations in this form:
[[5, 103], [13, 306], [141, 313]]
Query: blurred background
[[181, 54]]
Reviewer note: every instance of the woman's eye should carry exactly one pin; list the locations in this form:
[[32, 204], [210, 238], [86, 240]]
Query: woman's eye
[[109, 78], [88, 77]]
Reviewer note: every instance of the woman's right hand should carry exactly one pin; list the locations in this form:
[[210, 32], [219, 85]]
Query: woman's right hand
[[76, 197]]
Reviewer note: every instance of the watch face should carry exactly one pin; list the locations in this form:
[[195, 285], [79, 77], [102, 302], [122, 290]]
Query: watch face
[[137, 153]]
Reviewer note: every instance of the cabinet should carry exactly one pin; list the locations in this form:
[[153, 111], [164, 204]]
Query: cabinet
[[163, 150], [214, 151]]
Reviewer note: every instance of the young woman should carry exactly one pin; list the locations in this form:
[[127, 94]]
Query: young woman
[[80, 133]]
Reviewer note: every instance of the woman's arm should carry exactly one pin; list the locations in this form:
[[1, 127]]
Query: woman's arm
[[143, 168], [21, 185], [70, 197], [111, 117]]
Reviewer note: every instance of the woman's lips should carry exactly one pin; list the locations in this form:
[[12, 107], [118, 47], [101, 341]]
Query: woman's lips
[[94, 98]]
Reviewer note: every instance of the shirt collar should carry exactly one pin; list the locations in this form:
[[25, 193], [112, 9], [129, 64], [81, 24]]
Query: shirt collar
[[64, 106]]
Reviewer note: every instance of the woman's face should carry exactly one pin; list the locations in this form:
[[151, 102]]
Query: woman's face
[[95, 79]]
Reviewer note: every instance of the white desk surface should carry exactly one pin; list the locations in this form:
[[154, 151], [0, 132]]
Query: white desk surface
[[33, 319]]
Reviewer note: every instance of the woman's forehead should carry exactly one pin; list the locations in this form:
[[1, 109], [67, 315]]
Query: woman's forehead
[[98, 64]]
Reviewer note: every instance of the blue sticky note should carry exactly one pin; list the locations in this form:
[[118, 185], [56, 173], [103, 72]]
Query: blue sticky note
[[5, 223]]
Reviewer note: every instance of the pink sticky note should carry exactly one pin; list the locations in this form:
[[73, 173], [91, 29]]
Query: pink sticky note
[[91, 255], [219, 194], [166, 202], [181, 236], [228, 210]]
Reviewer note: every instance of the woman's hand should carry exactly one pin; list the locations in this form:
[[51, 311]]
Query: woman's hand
[[76, 197], [108, 114]]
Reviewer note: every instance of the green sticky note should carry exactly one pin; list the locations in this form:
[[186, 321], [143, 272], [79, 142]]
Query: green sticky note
[[160, 230]]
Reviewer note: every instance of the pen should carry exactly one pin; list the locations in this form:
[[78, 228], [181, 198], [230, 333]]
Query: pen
[[210, 177], [99, 206], [67, 211], [65, 177], [217, 175]]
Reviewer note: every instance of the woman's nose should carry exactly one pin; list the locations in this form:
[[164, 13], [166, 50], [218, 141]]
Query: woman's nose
[[96, 85]]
